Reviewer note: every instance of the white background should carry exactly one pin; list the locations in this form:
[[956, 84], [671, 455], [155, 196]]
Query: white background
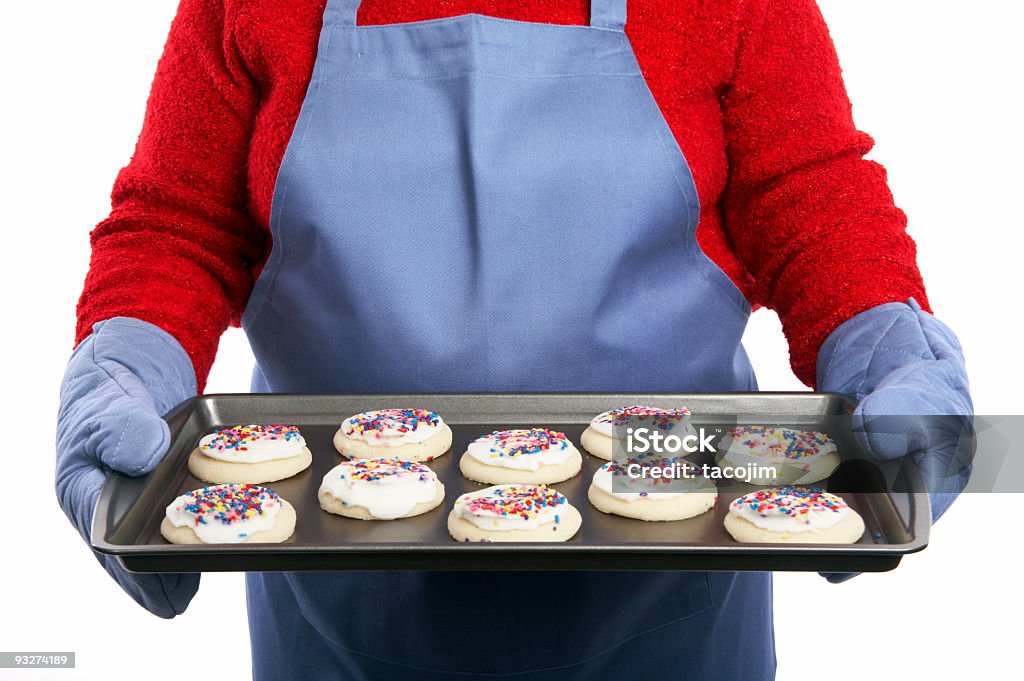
[[937, 84]]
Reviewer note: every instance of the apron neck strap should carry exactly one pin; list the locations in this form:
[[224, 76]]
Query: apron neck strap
[[344, 10], [610, 14]]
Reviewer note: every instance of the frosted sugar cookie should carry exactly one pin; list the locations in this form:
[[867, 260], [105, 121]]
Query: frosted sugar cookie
[[380, 489], [228, 514], [614, 490], [800, 515], [599, 437], [410, 434], [794, 456], [527, 455], [505, 513], [250, 454]]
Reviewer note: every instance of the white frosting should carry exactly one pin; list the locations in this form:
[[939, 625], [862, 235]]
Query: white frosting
[[214, 527], [772, 517], [387, 488], [490, 451], [391, 427], [627, 488], [492, 519], [254, 448], [604, 423], [777, 447]]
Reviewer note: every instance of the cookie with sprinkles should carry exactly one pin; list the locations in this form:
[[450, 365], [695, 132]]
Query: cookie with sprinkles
[[251, 454], [620, 488], [605, 436], [380, 489], [525, 455], [228, 514], [793, 514], [512, 513], [779, 456], [409, 434]]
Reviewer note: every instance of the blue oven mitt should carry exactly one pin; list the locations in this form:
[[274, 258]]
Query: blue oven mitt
[[901, 363], [119, 382]]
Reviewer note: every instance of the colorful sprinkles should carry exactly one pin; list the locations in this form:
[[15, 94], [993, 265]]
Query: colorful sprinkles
[[375, 470], [663, 419], [793, 501], [239, 438], [229, 504], [394, 420], [523, 501], [524, 441], [785, 442]]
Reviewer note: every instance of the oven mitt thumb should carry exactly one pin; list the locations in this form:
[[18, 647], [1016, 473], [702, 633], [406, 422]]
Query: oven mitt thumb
[[118, 383], [907, 371]]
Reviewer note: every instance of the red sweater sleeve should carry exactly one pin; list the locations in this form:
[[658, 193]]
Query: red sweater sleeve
[[813, 220], [179, 244]]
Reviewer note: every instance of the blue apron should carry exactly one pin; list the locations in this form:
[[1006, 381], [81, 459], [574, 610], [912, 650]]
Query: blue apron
[[480, 204]]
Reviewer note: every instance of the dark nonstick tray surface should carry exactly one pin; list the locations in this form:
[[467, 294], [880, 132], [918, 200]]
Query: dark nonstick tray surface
[[129, 511]]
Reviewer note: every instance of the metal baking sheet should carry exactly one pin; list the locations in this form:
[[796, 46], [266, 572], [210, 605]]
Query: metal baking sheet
[[128, 515]]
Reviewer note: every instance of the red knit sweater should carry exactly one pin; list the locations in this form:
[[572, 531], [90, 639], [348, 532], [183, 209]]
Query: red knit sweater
[[751, 89]]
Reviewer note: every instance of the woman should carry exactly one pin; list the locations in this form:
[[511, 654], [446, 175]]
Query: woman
[[493, 195]]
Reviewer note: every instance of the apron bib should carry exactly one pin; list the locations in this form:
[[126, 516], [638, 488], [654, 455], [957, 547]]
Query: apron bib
[[478, 204]]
